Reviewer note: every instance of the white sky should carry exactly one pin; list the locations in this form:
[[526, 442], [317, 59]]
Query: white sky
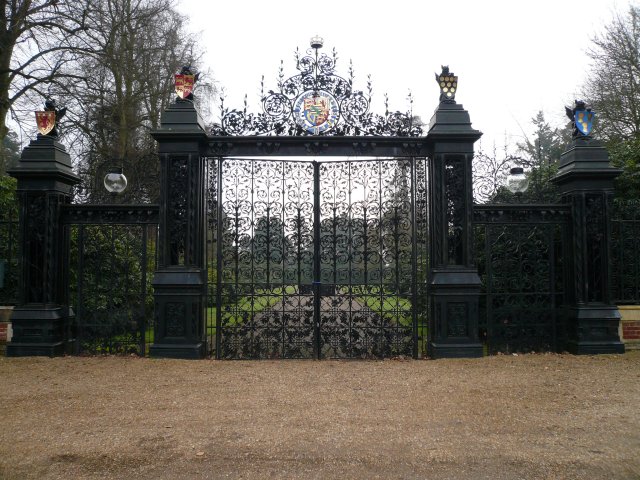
[[513, 58]]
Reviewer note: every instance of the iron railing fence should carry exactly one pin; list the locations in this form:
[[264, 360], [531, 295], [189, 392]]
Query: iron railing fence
[[9, 258], [625, 251]]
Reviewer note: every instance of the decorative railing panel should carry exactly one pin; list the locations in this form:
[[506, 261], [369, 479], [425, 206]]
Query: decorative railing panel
[[112, 258], [9, 258], [520, 256], [625, 248]]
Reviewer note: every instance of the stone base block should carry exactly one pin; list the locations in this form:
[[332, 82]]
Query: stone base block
[[451, 350], [35, 349], [195, 351], [595, 348]]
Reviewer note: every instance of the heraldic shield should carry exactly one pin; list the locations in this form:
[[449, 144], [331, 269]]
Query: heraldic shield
[[46, 121], [584, 121], [316, 110], [184, 85]]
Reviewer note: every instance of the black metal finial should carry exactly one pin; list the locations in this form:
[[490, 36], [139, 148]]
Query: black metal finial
[[448, 84], [581, 118]]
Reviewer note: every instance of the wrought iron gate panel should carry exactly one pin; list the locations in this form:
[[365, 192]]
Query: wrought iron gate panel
[[282, 223], [264, 305], [366, 257], [110, 272], [521, 263], [9, 256]]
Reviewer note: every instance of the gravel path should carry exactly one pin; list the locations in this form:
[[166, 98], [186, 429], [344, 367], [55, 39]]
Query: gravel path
[[503, 417]]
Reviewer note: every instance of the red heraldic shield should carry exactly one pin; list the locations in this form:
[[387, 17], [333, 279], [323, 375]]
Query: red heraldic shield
[[46, 121], [184, 85]]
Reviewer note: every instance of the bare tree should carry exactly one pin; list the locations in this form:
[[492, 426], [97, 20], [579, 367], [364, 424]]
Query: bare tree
[[490, 170], [613, 85], [37, 40], [126, 82]]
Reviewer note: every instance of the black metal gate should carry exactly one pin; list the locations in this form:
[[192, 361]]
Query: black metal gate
[[520, 253], [112, 257], [316, 259]]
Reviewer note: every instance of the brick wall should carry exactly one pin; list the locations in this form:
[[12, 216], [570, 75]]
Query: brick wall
[[4, 330], [5, 327], [631, 330], [630, 326]]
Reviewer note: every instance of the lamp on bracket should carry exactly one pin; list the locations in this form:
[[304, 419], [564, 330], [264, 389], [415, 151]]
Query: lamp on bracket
[[115, 181], [517, 181]]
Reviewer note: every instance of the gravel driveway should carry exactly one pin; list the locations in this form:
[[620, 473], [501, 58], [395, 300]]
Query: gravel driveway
[[502, 417]]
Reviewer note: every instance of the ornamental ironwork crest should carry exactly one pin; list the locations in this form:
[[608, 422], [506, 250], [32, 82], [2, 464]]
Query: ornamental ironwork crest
[[317, 101]]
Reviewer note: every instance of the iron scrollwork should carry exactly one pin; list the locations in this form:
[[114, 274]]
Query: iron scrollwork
[[316, 101], [35, 246], [520, 264], [596, 246], [455, 198], [178, 197], [357, 229], [625, 261]]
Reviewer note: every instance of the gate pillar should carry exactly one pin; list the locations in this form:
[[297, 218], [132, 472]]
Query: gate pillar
[[42, 320], [585, 180], [180, 281], [454, 285]]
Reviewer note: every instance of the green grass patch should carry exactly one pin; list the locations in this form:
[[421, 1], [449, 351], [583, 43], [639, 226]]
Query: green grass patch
[[246, 307], [393, 308]]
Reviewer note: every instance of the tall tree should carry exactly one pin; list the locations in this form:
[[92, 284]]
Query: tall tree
[[613, 90], [537, 153], [9, 152], [126, 82], [613, 84], [37, 40], [540, 153]]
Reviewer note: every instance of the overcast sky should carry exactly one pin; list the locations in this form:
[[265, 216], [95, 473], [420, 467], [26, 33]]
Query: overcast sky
[[513, 58]]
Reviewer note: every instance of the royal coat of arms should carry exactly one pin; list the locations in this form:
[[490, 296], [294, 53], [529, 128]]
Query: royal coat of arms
[[316, 111]]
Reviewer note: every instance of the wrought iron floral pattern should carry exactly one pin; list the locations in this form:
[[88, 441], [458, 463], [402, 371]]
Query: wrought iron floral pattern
[[316, 76], [283, 222], [366, 232], [596, 246], [521, 267], [625, 245], [178, 197]]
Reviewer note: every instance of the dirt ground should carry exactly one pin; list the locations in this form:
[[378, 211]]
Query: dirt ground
[[503, 417]]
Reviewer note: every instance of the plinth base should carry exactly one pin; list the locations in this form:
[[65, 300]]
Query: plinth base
[[595, 348], [180, 351], [451, 350]]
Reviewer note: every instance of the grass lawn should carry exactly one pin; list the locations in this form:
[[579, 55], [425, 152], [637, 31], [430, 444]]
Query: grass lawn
[[397, 310]]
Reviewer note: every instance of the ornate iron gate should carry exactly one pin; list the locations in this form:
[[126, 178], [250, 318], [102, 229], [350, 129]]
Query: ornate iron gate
[[521, 262], [316, 259]]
